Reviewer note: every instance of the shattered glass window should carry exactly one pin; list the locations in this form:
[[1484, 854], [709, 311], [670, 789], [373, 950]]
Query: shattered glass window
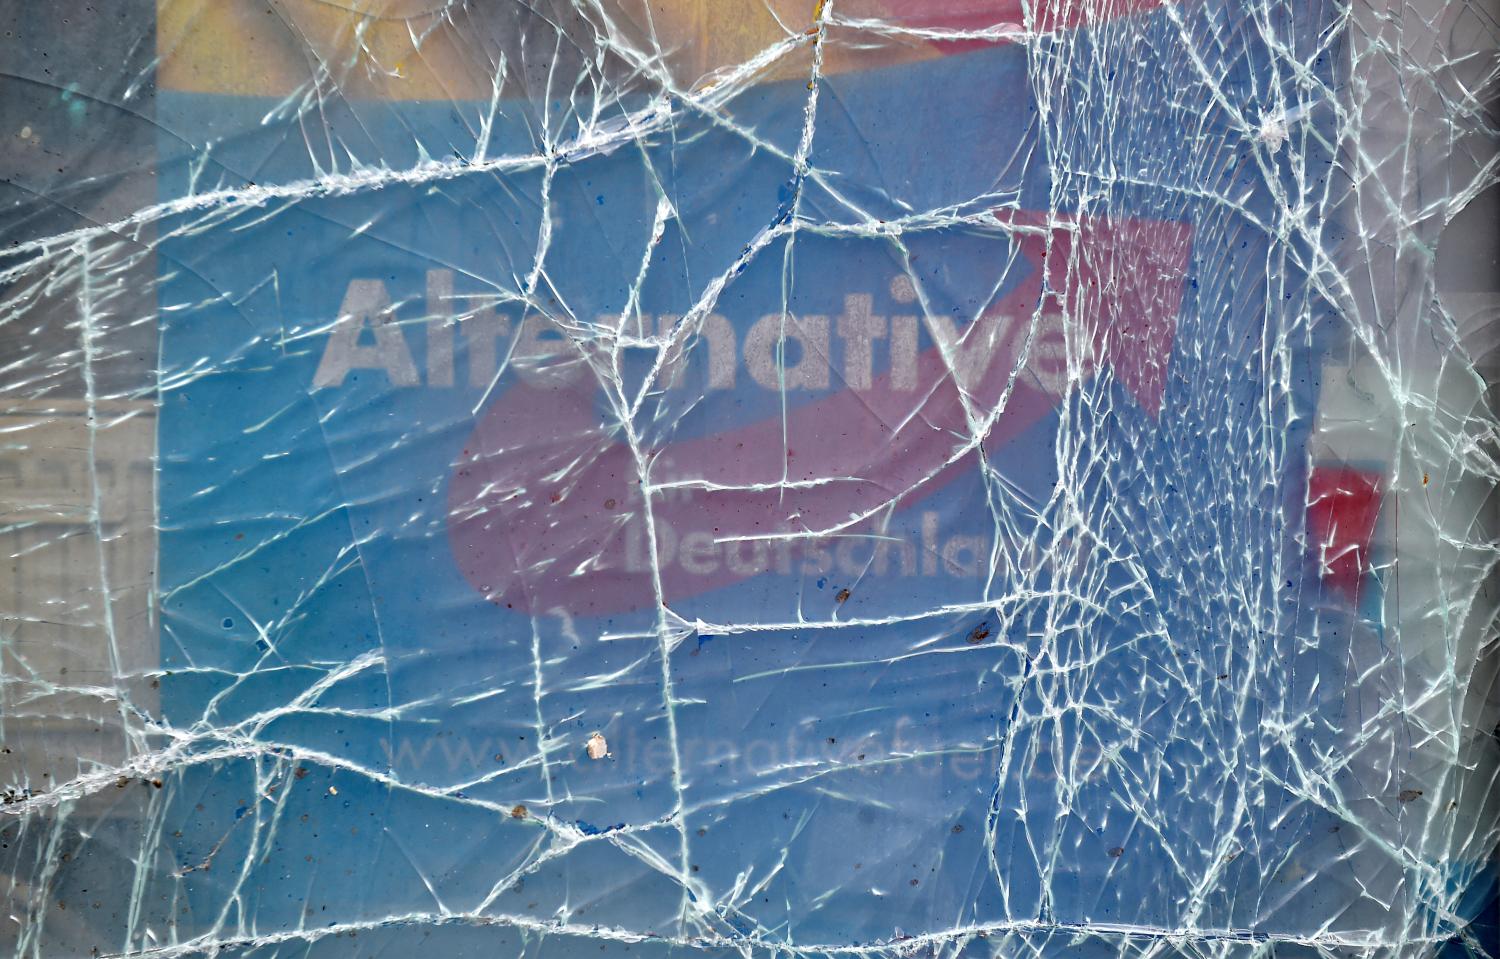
[[815, 478]]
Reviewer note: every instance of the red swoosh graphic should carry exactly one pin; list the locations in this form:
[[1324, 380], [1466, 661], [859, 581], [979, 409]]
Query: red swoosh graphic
[[543, 498]]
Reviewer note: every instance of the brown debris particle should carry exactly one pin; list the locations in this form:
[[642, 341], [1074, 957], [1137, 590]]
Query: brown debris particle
[[842, 595], [598, 746], [980, 634], [1116, 852], [518, 811], [1409, 795]]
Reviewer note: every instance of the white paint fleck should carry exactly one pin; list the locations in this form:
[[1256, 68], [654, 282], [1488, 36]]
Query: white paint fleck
[[1273, 131]]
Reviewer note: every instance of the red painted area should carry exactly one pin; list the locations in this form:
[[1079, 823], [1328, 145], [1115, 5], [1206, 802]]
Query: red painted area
[[1343, 505], [1047, 16], [546, 501]]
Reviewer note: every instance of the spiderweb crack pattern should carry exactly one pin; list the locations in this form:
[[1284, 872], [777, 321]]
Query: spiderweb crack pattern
[[781, 478]]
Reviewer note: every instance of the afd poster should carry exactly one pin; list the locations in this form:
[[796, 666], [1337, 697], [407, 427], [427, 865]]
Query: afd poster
[[832, 478]]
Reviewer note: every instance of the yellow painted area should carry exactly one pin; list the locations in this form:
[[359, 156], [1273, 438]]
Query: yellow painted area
[[429, 50], [362, 49]]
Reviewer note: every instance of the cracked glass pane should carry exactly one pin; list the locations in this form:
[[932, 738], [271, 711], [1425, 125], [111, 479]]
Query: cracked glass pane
[[749, 477]]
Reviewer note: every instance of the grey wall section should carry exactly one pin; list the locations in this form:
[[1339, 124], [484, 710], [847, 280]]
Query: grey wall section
[[77, 510]]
